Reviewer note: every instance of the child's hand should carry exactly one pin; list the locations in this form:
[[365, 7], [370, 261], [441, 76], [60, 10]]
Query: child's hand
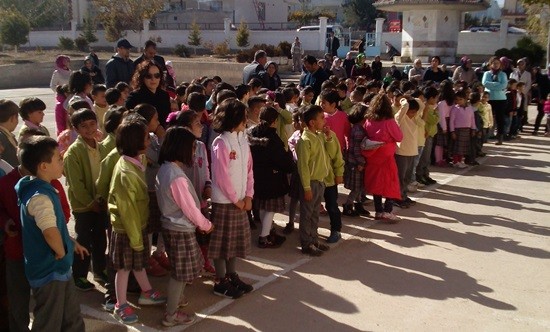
[[207, 193], [248, 203], [453, 135], [339, 179], [308, 195], [209, 230], [10, 228], [80, 250], [240, 204]]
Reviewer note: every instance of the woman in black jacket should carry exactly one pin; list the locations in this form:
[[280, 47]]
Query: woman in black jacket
[[272, 164], [148, 85], [270, 77]]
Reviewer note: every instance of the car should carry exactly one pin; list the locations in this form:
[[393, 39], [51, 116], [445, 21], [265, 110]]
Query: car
[[336, 28]]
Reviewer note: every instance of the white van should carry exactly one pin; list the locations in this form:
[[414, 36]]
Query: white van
[[336, 28]]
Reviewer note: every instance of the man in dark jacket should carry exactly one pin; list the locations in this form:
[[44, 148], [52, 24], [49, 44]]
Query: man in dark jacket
[[120, 67], [255, 67], [150, 53], [314, 77], [333, 44]]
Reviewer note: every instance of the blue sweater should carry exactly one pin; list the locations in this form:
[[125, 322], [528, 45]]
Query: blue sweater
[[495, 84], [41, 267]]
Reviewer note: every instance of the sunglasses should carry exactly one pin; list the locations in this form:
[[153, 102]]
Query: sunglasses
[[151, 76]]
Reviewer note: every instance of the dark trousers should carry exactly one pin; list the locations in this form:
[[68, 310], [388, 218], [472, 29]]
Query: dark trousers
[[309, 214], [4, 312], [57, 307], [386, 207], [404, 169], [19, 295], [331, 204], [499, 114], [90, 232], [422, 169], [540, 115]]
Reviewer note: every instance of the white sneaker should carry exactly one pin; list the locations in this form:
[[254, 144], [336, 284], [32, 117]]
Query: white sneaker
[[390, 218], [412, 187], [462, 165], [419, 185], [178, 318]]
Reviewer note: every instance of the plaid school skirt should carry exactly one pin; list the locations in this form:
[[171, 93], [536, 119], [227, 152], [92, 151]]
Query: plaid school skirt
[[353, 179], [154, 225], [441, 138], [185, 256], [273, 204], [461, 145], [231, 235], [123, 256]]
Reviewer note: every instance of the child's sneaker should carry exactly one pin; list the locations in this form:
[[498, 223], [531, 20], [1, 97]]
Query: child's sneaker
[[312, 250], [225, 288], [361, 210], [208, 271], [109, 304], [125, 314], [163, 260], [333, 238], [324, 247], [82, 284], [238, 283], [412, 187], [151, 297], [390, 218], [178, 318], [349, 211]]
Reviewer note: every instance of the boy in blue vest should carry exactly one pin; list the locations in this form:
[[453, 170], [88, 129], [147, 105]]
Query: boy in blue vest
[[47, 246]]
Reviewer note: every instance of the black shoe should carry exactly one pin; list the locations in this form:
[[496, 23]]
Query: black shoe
[[349, 211], [409, 201], [361, 210], [225, 288], [422, 180], [312, 250], [324, 247], [401, 204], [238, 283], [289, 228], [430, 181], [265, 243], [276, 238]]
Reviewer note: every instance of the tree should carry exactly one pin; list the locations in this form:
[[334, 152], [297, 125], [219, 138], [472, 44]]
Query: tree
[[242, 35], [40, 13], [14, 28], [538, 22], [89, 30], [194, 38], [118, 16], [360, 13], [471, 21]]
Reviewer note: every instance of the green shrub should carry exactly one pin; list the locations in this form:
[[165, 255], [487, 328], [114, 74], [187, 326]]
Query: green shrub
[[269, 49], [221, 49], [181, 51], [284, 49], [81, 44], [243, 57], [525, 47], [66, 43]]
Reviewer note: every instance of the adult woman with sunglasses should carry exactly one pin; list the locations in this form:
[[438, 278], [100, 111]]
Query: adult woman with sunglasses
[[148, 85]]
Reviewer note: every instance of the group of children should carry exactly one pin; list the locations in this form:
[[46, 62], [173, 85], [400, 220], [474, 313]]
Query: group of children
[[228, 156]]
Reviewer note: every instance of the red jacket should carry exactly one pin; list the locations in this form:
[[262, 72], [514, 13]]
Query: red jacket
[[13, 246]]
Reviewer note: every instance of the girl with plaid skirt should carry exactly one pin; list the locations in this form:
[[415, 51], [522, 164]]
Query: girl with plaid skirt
[[128, 206], [181, 215], [199, 174], [446, 97], [272, 164], [232, 191], [462, 125], [355, 163]]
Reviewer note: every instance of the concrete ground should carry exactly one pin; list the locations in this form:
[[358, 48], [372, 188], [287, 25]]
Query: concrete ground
[[473, 254]]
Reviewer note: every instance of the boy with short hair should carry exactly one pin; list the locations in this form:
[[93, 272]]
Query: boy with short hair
[[100, 105], [313, 168], [31, 110], [8, 122], [255, 104], [47, 246], [114, 97], [82, 164]]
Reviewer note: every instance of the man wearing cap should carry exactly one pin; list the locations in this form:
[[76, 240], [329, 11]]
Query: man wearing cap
[[150, 53], [119, 68], [522, 75]]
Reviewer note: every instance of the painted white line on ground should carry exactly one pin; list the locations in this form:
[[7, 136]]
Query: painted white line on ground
[[250, 276], [266, 261]]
